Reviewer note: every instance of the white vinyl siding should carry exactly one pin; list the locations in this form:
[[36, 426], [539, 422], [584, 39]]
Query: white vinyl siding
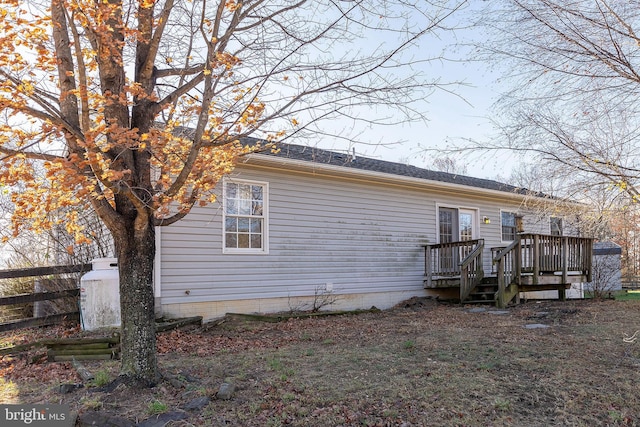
[[360, 236], [321, 230]]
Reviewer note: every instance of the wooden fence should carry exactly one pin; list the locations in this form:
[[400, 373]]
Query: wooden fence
[[632, 282], [41, 296]]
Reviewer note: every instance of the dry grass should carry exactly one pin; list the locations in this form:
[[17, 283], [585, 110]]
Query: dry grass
[[427, 365]]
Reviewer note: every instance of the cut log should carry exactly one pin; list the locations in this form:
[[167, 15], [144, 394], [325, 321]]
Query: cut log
[[19, 348], [68, 358], [178, 323], [88, 346], [89, 351], [82, 341]]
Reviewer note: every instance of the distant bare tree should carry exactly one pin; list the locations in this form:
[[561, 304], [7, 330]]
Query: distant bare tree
[[574, 73], [627, 225], [601, 212], [605, 272], [50, 247], [449, 164]]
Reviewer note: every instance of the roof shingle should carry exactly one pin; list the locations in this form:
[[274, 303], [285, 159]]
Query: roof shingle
[[321, 156]]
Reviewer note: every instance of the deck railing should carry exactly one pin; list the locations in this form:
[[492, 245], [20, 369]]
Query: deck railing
[[555, 254], [537, 254], [443, 260], [471, 271], [508, 271]]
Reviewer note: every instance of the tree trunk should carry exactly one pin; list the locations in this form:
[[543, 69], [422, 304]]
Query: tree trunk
[[136, 251]]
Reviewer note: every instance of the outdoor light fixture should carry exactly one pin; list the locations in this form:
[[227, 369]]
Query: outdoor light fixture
[[486, 220]]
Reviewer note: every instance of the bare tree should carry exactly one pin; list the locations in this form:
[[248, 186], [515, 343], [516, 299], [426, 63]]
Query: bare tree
[[597, 210], [626, 223], [572, 72], [605, 276], [138, 108], [449, 164]]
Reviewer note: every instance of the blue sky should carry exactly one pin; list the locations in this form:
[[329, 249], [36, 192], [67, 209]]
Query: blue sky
[[453, 117]]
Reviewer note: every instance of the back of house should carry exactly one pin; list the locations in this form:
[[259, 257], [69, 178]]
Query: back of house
[[308, 229]]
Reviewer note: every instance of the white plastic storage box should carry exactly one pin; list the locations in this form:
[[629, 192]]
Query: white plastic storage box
[[100, 295]]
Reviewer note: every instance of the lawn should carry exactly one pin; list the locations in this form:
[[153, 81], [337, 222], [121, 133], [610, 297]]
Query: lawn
[[630, 295], [429, 364]]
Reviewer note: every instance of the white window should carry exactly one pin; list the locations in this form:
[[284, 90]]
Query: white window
[[509, 229], [245, 213], [555, 224]]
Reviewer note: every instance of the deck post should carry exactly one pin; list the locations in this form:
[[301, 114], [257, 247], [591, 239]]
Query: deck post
[[565, 260], [428, 266], [536, 258], [501, 284], [517, 262], [589, 253]]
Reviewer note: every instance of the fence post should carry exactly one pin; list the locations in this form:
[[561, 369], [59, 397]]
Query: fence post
[[536, 258]]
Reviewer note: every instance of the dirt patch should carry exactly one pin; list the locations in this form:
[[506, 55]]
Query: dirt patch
[[422, 364]]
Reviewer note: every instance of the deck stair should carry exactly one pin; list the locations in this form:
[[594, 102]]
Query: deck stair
[[484, 293]]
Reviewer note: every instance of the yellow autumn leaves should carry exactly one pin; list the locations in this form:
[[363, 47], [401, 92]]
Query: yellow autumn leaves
[[76, 101]]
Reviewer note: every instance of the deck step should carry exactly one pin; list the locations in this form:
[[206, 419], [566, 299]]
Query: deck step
[[483, 295], [489, 280], [481, 301], [484, 289]]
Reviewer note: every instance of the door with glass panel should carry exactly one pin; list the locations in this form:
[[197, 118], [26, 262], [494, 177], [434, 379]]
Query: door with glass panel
[[454, 225]]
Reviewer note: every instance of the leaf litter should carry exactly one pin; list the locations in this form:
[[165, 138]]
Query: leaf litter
[[428, 364]]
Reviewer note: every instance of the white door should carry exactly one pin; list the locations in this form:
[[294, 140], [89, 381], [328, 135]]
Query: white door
[[455, 225], [467, 224]]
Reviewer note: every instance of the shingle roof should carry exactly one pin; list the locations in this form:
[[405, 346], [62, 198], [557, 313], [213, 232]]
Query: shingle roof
[[321, 156], [317, 155], [606, 248]]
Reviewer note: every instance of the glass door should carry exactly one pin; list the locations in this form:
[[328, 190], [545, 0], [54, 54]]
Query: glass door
[[466, 221], [455, 225], [447, 233], [448, 225]]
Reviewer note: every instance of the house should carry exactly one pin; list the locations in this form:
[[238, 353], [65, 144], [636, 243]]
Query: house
[[307, 228]]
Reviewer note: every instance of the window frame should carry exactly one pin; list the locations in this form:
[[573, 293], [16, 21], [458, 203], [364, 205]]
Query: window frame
[[264, 217], [515, 225], [560, 225]]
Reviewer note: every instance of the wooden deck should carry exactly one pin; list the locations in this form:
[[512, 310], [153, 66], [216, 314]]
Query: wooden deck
[[532, 262]]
